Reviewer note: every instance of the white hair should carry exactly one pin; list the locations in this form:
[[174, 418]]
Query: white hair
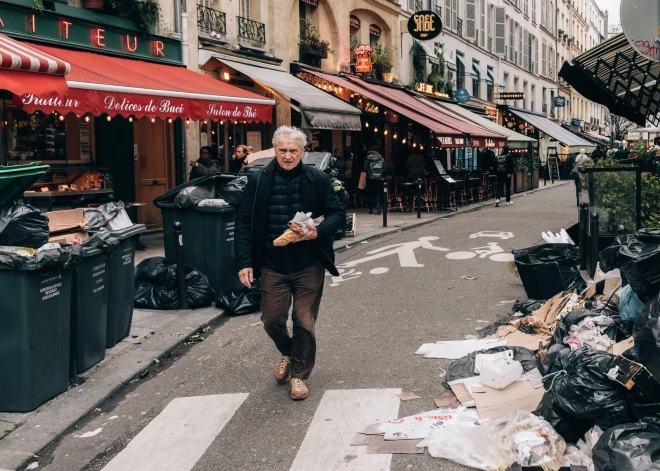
[[291, 133], [583, 151]]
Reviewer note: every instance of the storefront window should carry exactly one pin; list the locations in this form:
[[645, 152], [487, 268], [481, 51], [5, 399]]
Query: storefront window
[[45, 137]]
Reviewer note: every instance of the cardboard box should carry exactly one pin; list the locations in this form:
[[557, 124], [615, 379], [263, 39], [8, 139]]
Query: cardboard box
[[70, 220], [631, 374], [69, 239]]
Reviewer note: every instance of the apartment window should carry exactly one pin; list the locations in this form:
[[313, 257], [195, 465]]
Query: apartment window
[[512, 39], [244, 8], [476, 81], [520, 46], [177, 16], [531, 104], [482, 35], [544, 59], [460, 71], [544, 103], [534, 11], [489, 86]]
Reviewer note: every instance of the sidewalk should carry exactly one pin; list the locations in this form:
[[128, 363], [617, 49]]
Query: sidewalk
[[153, 335]]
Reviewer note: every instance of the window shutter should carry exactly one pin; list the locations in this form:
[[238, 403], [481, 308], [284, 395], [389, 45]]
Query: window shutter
[[500, 33], [447, 19], [530, 63], [512, 39], [544, 60], [526, 7], [524, 51], [534, 11], [244, 8], [411, 6], [520, 46], [536, 57], [454, 14], [543, 3], [482, 34], [470, 23]]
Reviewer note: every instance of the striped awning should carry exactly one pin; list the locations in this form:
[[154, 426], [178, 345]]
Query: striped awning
[[27, 70], [15, 55]]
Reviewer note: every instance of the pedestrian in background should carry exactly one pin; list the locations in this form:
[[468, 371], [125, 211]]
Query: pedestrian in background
[[239, 159], [415, 165], [272, 198], [374, 167], [340, 164], [503, 167], [205, 165], [580, 160]]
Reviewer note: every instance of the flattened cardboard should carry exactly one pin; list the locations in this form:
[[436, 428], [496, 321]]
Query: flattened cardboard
[[446, 399], [619, 348], [521, 339], [407, 396], [519, 395], [380, 446], [67, 239], [462, 393], [69, 220]]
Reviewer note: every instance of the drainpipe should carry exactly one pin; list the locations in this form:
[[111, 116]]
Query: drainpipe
[[184, 59]]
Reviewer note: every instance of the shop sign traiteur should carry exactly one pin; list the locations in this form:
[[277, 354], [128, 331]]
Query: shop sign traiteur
[[640, 20], [24, 23], [81, 101], [363, 64]]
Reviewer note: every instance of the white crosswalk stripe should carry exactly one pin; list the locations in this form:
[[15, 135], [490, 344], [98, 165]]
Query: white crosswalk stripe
[[339, 416], [178, 437]]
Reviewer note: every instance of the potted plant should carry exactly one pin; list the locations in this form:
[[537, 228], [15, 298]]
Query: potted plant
[[311, 43], [522, 172], [382, 61], [93, 4], [535, 172], [144, 13]]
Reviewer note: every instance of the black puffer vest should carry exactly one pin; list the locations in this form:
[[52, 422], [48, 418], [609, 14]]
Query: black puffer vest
[[286, 199]]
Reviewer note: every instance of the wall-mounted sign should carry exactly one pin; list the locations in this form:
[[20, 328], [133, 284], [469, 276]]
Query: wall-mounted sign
[[462, 95], [363, 64], [429, 89], [21, 22], [425, 25], [480, 143], [633, 136], [559, 101], [511, 96], [640, 20], [451, 141]]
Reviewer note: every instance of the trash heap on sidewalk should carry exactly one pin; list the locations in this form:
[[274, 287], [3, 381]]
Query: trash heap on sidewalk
[[68, 280], [564, 380]]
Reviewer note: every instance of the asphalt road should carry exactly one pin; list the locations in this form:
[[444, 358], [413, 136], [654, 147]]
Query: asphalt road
[[372, 320]]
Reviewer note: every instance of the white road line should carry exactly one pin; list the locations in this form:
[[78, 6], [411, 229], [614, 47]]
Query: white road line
[[339, 416], [177, 438]]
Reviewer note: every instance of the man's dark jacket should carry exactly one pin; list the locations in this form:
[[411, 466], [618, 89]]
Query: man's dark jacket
[[206, 167], [319, 198]]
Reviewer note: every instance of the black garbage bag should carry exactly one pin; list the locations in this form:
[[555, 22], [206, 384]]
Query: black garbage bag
[[647, 336], [585, 392], [157, 287], [548, 269], [62, 258], [628, 447], [526, 307], [22, 225], [113, 215], [191, 196], [464, 367], [638, 257], [649, 413], [238, 299], [570, 428], [555, 358], [232, 192]]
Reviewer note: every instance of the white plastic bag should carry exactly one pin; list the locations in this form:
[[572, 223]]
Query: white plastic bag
[[423, 424]]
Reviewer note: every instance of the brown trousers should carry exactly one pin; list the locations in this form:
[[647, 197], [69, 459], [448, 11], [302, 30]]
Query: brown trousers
[[306, 289]]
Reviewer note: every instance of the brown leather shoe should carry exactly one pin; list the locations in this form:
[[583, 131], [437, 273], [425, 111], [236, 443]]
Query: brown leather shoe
[[298, 389], [282, 369]]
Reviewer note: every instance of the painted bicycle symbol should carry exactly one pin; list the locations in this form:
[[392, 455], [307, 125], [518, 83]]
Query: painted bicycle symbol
[[492, 250]]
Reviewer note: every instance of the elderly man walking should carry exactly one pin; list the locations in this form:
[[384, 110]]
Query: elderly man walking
[[272, 197]]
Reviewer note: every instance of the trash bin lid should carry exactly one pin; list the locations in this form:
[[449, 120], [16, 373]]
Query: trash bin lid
[[15, 179], [215, 209]]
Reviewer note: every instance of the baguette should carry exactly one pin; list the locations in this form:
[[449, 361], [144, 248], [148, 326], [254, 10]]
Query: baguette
[[286, 238]]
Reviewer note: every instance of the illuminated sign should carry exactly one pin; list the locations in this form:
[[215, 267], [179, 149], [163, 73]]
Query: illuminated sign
[[480, 143], [363, 64], [429, 89], [120, 38], [425, 25], [511, 96], [451, 141]]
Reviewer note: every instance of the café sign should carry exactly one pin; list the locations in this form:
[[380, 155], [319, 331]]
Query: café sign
[[425, 25], [363, 64], [77, 32], [451, 141]]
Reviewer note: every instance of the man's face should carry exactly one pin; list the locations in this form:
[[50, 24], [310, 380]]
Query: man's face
[[205, 154], [288, 152]]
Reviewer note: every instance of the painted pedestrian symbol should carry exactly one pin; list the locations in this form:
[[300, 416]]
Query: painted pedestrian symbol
[[405, 252], [492, 250]]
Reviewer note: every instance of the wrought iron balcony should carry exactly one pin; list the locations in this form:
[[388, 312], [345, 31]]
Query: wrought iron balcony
[[459, 27], [211, 22], [252, 30]]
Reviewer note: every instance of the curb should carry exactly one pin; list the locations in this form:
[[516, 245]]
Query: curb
[[345, 244], [54, 418]]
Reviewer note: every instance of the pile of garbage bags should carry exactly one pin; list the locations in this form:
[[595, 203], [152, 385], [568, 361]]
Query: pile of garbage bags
[[569, 377], [157, 285]]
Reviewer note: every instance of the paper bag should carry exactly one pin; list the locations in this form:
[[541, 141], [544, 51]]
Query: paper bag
[[362, 184]]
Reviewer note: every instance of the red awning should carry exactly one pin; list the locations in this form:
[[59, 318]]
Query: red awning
[[24, 69], [116, 86], [450, 130]]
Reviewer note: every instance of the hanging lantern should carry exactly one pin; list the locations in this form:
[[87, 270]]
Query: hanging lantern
[[509, 124], [521, 126]]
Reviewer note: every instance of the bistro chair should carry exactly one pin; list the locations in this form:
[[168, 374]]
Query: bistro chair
[[459, 189], [492, 186], [394, 197]]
